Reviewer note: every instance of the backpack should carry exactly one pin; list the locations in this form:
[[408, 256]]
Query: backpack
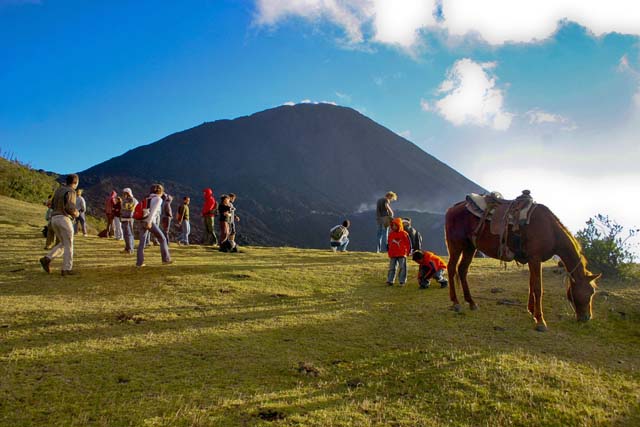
[[337, 232], [142, 209]]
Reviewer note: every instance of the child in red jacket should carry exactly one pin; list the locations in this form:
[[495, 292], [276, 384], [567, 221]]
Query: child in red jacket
[[431, 265], [398, 247]]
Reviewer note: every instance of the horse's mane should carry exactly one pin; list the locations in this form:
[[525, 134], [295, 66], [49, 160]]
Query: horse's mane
[[576, 244]]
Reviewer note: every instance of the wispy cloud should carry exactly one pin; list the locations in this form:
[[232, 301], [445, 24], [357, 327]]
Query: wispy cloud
[[540, 117], [343, 97], [400, 23], [471, 97], [405, 134], [624, 66]]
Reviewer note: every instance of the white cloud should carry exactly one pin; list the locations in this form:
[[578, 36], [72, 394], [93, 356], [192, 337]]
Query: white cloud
[[343, 97], [405, 134], [471, 97], [496, 21], [540, 117], [425, 105], [398, 22], [625, 67], [350, 15], [393, 22], [500, 21]]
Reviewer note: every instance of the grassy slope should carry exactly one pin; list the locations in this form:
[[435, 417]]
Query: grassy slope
[[216, 339]]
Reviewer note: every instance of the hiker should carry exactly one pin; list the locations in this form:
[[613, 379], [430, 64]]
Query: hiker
[[399, 246], [339, 236], [431, 265], [167, 215], [414, 235], [234, 217], [126, 217], [224, 210], [182, 221], [117, 224], [64, 211], [49, 234], [384, 215], [149, 225], [229, 245], [108, 210], [81, 221], [209, 211]]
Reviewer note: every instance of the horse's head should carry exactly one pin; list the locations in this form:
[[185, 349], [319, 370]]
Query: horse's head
[[580, 294]]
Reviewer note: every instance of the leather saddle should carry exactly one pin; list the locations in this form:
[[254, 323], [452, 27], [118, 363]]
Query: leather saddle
[[504, 216]]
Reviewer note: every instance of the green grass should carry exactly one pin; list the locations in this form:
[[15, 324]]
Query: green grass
[[219, 339]]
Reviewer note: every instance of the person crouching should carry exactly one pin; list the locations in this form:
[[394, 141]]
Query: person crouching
[[431, 266]]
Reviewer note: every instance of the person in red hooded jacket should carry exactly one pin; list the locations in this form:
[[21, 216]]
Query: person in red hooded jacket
[[208, 213], [431, 265], [398, 247]]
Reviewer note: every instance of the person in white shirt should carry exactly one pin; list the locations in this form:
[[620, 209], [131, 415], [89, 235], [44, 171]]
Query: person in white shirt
[[148, 224]]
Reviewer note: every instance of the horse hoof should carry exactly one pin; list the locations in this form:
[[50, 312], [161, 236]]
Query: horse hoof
[[456, 308], [474, 307], [541, 327]]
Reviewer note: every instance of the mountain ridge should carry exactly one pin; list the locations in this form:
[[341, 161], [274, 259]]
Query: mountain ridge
[[285, 163]]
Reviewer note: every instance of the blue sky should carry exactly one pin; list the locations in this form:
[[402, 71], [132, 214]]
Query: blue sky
[[514, 95]]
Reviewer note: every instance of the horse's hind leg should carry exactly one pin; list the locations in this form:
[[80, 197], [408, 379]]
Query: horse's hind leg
[[452, 268], [463, 269]]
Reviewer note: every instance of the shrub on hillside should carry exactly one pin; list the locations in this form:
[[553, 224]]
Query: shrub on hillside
[[19, 181], [606, 246]]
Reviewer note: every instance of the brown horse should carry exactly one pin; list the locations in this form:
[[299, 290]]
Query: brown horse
[[539, 240]]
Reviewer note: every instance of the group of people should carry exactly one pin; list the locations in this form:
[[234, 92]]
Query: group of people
[[153, 217], [149, 218], [398, 239]]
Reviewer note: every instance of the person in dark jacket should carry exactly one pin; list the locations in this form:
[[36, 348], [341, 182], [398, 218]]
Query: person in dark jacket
[[208, 213], [384, 215], [62, 216], [117, 223], [225, 217], [414, 235]]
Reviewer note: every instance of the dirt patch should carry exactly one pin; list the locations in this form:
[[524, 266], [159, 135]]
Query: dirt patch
[[130, 318], [307, 368], [271, 415]]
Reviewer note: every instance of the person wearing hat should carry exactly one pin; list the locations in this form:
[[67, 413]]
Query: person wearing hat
[[126, 217]]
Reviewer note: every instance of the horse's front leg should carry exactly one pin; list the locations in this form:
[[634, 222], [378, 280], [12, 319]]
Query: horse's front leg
[[535, 287], [463, 269]]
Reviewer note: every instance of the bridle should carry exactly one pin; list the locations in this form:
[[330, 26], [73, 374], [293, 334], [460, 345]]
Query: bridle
[[567, 279]]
